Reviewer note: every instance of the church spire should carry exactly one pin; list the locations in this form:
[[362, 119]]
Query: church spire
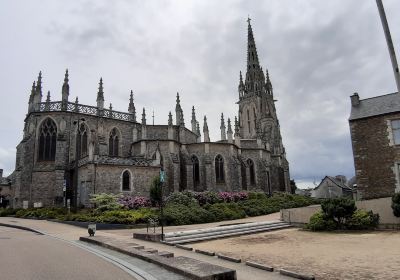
[[32, 95], [252, 56], [131, 108], [170, 122]]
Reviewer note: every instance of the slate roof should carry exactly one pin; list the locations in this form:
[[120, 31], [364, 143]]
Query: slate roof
[[375, 106], [339, 183]]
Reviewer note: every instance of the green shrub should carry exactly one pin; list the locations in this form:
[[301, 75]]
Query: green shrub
[[7, 212], [257, 195], [181, 198], [319, 222], [396, 204], [177, 214], [362, 219], [105, 202], [338, 209], [226, 211]]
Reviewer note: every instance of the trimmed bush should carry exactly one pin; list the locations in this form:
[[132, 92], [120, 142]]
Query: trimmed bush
[[105, 202], [396, 204], [318, 222], [338, 209], [362, 219], [178, 214], [226, 211], [181, 198]]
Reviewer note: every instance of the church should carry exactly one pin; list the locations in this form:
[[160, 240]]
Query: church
[[70, 150]]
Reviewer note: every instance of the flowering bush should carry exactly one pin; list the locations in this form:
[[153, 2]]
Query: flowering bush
[[134, 202], [233, 196]]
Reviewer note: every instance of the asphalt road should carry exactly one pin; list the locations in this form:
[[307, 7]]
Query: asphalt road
[[29, 256]]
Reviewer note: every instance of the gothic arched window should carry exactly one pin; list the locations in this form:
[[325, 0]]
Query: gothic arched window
[[250, 164], [248, 120], [113, 143], [83, 141], [47, 140], [219, 169], [255, 117], [196, 170], [126, 181]]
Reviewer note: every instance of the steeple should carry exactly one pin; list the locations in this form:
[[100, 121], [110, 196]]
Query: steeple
[[252, 56], [205, 130], [222, 127], [182, 123], [241, 87], [194, 122], [100, 95], [131, 108], [65, 87]]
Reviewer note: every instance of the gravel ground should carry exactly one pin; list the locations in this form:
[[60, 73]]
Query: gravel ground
[[347, 255]]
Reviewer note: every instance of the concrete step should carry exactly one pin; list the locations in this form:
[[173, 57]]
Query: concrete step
[[221, 230]]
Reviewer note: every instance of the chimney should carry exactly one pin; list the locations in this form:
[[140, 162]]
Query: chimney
[[355, 99]]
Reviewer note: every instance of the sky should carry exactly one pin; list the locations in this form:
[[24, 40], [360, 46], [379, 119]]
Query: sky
[[318, 53]]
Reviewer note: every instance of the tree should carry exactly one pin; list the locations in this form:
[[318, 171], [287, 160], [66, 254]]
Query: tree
[[155, 191], [293, 186], [396, 204]]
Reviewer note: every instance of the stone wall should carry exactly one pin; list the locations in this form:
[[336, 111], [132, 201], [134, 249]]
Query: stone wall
[[375, 159], [381, 206]]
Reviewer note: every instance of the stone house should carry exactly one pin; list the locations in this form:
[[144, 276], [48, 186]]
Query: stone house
[[5, 190], [331, 187], [375, 136], [70, 150]]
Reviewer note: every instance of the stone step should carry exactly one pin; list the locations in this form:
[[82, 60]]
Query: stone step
[[222, 230], [224, 235], [218, 229]]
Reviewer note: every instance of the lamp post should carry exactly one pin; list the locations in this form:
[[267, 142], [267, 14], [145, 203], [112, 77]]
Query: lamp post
[[76, 167], [162, 179]]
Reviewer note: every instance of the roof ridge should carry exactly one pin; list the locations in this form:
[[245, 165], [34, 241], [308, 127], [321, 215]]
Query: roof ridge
[[379, 96]]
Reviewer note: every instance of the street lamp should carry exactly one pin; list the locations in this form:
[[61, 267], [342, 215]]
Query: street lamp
[[77, 156]]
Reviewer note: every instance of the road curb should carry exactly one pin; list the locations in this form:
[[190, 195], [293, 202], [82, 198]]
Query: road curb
[[208, 253], [228, 258], [260, 266], [22, 228], [184, 247], [296, 275]]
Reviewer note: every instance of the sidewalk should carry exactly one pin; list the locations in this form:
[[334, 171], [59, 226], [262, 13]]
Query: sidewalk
[[73, 233]]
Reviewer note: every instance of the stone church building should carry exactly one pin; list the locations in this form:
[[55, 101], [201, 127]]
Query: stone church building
[[70, 150]]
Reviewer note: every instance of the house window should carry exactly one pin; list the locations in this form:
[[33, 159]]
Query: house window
[[250, 164], [47, 141], [396, 131], [83, 141], [113, 143], [126, 181], [219, 169], [196, 170]]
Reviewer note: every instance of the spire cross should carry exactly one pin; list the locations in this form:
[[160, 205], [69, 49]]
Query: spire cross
[[248, 19]]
